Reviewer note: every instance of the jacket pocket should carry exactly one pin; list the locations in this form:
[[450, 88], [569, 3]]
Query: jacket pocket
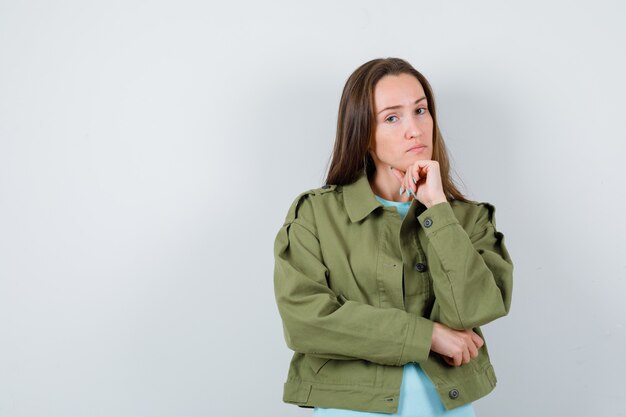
[[316, 362]]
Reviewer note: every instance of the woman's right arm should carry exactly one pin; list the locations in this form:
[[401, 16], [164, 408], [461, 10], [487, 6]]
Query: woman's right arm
[[316, 322]]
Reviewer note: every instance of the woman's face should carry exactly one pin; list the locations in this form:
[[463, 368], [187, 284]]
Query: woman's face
[[402, 123]]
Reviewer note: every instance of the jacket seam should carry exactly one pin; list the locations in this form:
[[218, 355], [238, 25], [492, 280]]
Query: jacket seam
[[380, 232], [482, 230], [295, 221], [445, 226], [437, 382], [406, 337], [476, 373], [318, 384], [445, 269]]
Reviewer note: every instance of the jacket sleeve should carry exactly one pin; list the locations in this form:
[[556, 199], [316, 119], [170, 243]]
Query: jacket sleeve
[[317, 323], [472, 273]]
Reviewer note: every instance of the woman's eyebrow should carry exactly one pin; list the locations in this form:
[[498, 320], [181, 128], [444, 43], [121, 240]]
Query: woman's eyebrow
[[398, 106]]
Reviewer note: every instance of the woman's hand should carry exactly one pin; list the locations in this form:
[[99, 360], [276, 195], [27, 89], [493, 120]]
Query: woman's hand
[[423, 180], [456, 346]]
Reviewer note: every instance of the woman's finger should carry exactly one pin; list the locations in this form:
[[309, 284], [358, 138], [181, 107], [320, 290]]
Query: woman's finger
[[416, 177], [415, 173], [407, 184], [473, 350], [466, 355], [478, 341], [458, 359], [398, 174], [409, 180]]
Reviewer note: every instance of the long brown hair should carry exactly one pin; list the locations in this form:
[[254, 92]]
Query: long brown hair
[[356, 119]]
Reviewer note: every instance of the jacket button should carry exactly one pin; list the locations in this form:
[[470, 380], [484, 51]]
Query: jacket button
[[420, 267], [428, 222], [454, 393]]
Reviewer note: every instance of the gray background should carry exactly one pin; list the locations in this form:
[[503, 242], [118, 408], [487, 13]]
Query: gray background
[[149, 152]]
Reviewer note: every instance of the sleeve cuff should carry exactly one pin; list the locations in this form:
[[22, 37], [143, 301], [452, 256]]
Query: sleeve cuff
[[437, 217], [418, 341]]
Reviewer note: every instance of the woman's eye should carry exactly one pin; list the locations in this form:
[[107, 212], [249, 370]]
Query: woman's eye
[[388, 119], [421, 108]]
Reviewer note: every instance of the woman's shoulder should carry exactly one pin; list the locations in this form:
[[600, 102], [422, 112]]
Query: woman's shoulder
[[306, 203], [471, 213]]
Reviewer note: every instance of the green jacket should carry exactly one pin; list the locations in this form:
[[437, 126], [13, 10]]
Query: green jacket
[[358, 290]]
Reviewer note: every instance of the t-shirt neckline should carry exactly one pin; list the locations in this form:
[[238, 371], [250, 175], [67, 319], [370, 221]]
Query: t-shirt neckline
[[395, 203]]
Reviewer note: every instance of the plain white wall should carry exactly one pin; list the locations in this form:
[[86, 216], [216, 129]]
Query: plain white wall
[[149, 152]]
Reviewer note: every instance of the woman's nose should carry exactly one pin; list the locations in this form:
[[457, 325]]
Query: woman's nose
[[412, 129]]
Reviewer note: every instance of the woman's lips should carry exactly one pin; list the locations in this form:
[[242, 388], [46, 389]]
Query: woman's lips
[[417, 149]]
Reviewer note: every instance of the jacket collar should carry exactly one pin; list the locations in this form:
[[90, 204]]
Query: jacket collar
[[359, 198]]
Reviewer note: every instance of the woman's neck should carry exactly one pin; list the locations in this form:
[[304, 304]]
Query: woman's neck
[[384, 184]]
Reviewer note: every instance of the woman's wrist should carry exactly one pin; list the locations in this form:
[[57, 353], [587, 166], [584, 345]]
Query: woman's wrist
[[431, 203]]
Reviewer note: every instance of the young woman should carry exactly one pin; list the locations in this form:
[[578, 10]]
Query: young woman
[[384, 275]]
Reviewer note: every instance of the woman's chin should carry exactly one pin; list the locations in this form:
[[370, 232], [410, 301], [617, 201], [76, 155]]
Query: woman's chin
[[414, 157]]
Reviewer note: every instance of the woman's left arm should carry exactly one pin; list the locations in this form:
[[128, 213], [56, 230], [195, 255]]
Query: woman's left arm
[[472, 273]]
